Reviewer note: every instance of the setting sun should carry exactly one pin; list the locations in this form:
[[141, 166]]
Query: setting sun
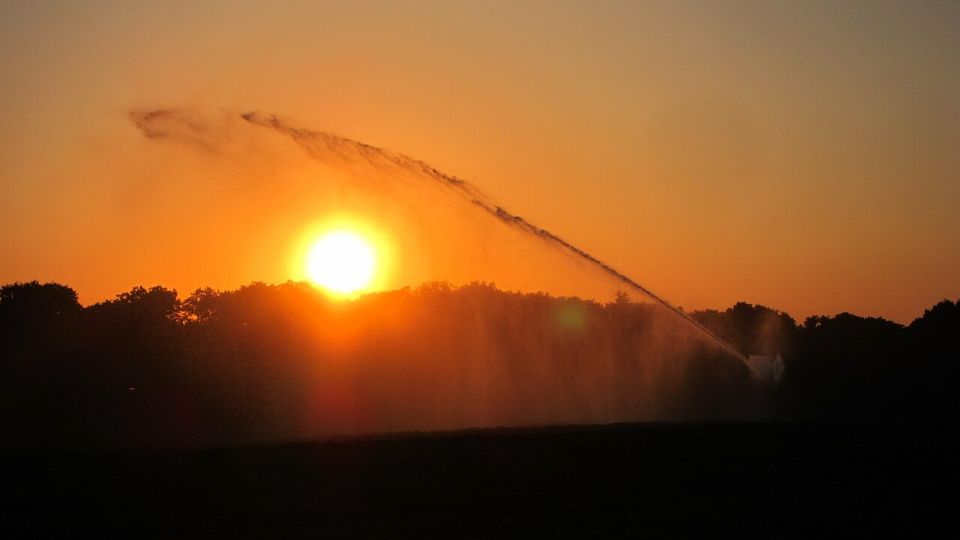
[[342, 261]]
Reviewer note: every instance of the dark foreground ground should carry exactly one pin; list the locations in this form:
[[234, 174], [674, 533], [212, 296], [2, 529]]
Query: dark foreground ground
[[762, 480]]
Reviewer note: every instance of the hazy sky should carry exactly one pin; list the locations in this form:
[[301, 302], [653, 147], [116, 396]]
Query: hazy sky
[[801, 155]]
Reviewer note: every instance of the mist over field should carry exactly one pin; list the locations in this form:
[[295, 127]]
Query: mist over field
[[270, 363]]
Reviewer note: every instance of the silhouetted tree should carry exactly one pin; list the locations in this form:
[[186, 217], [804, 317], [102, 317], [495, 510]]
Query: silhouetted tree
[[272, 362], [936, 350]]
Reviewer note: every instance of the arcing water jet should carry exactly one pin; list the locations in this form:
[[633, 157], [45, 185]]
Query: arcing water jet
[[322, 146]]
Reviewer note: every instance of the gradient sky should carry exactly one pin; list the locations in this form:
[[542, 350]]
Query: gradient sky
[[804, 155]]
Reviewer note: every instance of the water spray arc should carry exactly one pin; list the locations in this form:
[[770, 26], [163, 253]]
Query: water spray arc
[[321, 145], [555, 240], [326, 147]]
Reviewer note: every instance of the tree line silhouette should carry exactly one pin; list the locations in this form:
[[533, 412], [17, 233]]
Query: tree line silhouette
[[279, 362]]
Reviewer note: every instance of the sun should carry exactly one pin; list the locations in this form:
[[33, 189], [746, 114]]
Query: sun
[[342, 261]]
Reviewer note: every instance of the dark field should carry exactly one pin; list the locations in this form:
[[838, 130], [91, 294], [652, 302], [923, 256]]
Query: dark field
[[770, 480]]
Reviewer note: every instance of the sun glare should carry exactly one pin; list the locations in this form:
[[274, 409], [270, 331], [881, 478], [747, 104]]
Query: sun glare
[[342, 262]]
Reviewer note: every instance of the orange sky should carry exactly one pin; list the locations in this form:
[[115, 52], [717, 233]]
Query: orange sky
[[804, 157]]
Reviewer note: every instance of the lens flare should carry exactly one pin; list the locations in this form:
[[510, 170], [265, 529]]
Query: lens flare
[[342, 262]]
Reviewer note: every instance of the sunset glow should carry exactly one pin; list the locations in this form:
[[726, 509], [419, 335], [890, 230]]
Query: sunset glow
[[342, 262], [379, 268]]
